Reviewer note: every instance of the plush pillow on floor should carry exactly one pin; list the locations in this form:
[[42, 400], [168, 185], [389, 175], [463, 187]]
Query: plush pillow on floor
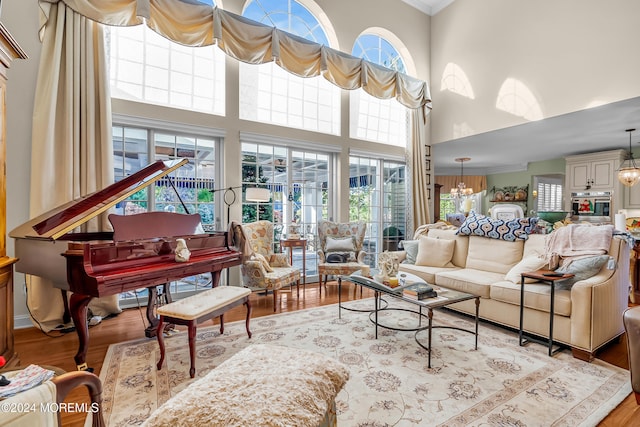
[[583, 268], [411, 249], [530, 263], [434, 252], [484, 226]]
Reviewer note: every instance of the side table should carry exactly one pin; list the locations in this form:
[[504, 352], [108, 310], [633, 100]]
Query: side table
[[551, 278], [297, 243]]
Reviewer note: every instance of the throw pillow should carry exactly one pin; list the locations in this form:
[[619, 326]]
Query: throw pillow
[[339, 244], [511, 230], [530, 263], [583, 268], [434, 252], [265, 264], [411, 249], [341, 257]]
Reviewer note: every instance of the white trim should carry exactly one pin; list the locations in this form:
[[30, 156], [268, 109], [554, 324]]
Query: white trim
[[288, 142], [429, 7], [377, 155], [156, 124], [22, 321], [518, 167]]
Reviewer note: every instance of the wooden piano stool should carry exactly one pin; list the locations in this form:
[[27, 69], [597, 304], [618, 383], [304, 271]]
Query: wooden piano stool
[[198, 308]]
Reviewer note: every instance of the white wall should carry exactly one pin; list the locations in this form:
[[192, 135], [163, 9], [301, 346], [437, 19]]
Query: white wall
[[349, 18], [572, 54]]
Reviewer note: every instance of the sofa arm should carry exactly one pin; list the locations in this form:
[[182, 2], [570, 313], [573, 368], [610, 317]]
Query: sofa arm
[[597, 305], [321, 257], [401, 255]]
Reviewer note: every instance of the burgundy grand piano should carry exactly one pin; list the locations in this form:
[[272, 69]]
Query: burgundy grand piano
[[97, 265]]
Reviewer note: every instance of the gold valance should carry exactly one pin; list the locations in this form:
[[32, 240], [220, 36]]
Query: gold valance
[[477, 182], [193, 24]]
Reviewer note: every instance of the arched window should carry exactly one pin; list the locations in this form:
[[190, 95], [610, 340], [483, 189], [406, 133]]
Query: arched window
[[379, 120], [147, 67], [270, 94]]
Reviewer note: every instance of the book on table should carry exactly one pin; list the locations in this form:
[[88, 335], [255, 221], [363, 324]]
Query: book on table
[[418, 290]]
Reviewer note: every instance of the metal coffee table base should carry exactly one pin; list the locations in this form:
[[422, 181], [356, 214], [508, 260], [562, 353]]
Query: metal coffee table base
[[430, 328]]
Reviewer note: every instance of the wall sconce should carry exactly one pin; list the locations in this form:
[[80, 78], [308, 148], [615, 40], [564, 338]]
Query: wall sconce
[[535, 193]]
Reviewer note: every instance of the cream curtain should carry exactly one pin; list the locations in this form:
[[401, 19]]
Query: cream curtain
[[71, 136], [417, 155], [249, 41]]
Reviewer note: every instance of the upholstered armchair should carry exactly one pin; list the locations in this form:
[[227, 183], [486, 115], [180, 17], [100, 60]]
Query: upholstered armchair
[[262, 269], [631, 320], [340, 249]]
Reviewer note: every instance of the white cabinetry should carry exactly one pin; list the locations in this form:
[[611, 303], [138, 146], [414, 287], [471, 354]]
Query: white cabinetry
[[594, 172]]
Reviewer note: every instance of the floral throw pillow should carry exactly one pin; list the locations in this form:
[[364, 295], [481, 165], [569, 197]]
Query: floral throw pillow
[[511, 230]]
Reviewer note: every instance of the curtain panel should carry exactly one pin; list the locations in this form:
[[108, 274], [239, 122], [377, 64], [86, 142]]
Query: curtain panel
[[252, 42], [477, 182]]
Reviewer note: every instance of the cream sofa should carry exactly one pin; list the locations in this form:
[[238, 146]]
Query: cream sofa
[[587, 316]]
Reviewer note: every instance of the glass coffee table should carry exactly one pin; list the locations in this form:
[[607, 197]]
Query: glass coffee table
[[444, 298]]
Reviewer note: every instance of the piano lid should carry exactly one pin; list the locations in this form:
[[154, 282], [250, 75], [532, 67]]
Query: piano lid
[[61, 220]]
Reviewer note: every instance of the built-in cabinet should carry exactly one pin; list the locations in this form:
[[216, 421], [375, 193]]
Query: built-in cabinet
[[9, 50], [593, 172]]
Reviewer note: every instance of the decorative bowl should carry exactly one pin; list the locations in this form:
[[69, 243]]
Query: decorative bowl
[[552, 216]]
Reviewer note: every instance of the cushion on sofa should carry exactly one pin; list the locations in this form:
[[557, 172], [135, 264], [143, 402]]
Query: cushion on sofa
[[411, 249], [536, 296], [459, 258], [493, 255], [529, 263], [512, 230], [477, 282], [582, 268], [428, 274], [434, 252], [534, 245]]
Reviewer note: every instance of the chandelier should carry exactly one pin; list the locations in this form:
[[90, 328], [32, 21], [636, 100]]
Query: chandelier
[[461, 189], [629, 175]]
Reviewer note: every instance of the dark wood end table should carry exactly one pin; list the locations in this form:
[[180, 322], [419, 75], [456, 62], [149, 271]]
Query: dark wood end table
[[551, 278]]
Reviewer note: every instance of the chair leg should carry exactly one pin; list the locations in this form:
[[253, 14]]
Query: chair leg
[[192, 347], [221, 324], [320, 284], [160, 341], [637, 393], [275, 299]]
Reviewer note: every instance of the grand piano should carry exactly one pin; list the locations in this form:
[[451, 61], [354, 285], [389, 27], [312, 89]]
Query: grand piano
[[95, 264]]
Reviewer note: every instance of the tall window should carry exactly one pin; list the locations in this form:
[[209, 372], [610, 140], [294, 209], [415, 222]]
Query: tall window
[[270, 94], [298, 181], [377, 196], [147, 67], [379, 120], [135, 148]]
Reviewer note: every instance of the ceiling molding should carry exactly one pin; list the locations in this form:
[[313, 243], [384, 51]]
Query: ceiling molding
[[518, 167], [429, 7]]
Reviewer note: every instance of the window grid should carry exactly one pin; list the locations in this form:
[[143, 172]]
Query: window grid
[[146, 67], [193, 181], [549, 197]]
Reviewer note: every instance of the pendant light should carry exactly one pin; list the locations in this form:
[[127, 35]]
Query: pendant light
[[629, 175], [461, 189]]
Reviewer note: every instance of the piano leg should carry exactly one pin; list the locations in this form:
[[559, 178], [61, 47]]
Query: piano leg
[[152, 303], [66, 316], [78, 306]]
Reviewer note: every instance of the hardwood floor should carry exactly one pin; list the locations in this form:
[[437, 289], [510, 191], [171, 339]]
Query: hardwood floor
[[35, 347]]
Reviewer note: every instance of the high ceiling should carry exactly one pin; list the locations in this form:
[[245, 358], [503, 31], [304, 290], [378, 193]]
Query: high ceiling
[[510, 149]]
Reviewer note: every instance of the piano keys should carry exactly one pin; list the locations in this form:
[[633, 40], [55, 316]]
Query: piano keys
[[96, 265]]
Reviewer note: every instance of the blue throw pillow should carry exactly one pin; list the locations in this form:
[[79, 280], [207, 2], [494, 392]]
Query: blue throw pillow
[[411, 249], [583, 268], [511, 230]]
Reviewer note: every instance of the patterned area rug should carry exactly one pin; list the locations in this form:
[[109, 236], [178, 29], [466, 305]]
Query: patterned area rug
[[499, 384]]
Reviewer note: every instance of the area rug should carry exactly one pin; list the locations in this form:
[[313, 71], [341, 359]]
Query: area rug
[[499, 384]]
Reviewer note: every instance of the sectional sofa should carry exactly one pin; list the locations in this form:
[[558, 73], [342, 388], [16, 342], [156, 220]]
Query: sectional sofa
[[588, 314]]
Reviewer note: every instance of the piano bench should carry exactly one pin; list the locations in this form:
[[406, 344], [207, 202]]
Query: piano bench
[[198, 308]]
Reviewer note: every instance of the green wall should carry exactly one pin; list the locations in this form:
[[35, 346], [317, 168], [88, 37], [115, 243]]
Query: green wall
[[521, 179]]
